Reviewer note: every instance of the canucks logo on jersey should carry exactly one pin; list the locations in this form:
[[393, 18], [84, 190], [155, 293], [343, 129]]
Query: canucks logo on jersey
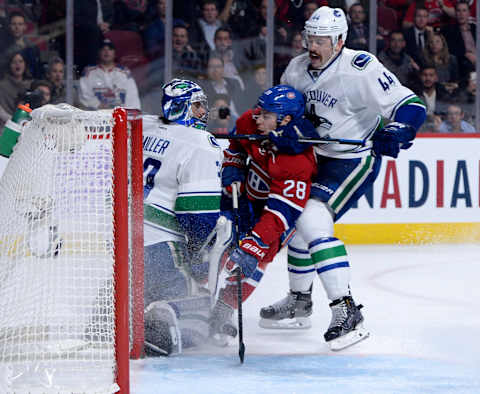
[[361, 61]]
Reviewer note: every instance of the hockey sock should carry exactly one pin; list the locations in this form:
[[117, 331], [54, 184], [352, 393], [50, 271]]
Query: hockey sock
[[301, 269], [331, 262]]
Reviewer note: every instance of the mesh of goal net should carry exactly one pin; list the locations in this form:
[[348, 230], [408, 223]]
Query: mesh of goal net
[[57, 331]]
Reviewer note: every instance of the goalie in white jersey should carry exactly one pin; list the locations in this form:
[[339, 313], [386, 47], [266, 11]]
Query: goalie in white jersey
[[182, 191], [347, 93]]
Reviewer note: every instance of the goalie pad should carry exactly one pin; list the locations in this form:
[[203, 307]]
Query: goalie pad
[[218, 253], [162, 331]]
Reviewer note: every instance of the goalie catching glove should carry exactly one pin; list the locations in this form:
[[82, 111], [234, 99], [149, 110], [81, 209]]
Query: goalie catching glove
[[247, 256], [393, 137]]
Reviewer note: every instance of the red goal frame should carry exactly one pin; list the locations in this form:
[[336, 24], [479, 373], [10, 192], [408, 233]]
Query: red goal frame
[[128, 127]]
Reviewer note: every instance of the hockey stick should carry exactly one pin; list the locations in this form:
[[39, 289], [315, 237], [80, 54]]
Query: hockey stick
[[260, 137], [241, 345]]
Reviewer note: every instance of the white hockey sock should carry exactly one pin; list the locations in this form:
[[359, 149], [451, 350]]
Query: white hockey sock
[[301, 269], [331, 262]]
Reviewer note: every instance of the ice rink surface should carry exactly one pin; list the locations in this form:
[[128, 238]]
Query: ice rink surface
[[421, 306]]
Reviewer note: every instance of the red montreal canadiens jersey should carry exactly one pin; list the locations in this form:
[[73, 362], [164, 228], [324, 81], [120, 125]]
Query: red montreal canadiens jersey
[[282, 181]]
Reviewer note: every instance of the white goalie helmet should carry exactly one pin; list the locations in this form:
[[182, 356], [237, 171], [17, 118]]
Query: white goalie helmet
[[326, 21]]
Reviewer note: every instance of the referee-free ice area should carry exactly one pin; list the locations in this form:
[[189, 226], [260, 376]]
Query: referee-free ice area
[[421, 306]]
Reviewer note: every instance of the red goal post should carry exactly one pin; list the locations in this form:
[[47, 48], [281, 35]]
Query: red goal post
[[71, 252]]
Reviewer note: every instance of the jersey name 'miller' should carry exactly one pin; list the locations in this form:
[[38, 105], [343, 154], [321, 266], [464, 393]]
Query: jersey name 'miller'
[[155, 145], [321, 96]]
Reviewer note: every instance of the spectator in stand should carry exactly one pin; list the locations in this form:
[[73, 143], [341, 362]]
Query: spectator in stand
[[90, 23], [400, 7], [258, 83], [129, 14], [284, 55], [56, 76], [461, 38], [107, 85], [13, 85], [436, 16], [436, 54], [219, 118], [186, 64], [454, 122], [387, 19], [15, 41], [235, 61], [450, 8], [357, 37], [397, 60], [154, 35], [203, 29], [358, 31], [466, 96], [217, 83], [3, 23], [416, 36], [256, 50], [45, 88], [434, 95], [240, 17], [31, 9], [186, 61], [431, 125], [281, 29], [308, 8]]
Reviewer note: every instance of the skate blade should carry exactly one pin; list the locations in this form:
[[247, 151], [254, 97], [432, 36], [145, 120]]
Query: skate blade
[[298, 323], [347, 340]]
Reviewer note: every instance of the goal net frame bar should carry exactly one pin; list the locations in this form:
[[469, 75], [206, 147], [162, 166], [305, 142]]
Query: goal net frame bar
[[122, 133]]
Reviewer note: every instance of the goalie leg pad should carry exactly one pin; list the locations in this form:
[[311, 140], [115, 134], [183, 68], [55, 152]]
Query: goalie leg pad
[[219, 251], [162, 331]]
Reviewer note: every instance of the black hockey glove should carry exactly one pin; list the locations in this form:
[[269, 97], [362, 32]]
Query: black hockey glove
[[393, 137]]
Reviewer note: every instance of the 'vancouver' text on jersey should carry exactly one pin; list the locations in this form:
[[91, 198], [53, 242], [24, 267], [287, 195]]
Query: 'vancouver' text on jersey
[[348, 98]]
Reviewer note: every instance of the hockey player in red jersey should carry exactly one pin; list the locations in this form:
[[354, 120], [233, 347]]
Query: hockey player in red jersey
[[274, 189]]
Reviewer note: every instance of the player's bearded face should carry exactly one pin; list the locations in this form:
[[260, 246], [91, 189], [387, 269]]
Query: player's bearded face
[[320, 50], [266, 121]]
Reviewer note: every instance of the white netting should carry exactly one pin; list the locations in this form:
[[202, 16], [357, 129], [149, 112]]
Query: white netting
[[57, 329]]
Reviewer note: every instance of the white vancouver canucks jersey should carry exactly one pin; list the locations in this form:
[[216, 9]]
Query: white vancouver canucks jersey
[[181, 175], [348, 97]]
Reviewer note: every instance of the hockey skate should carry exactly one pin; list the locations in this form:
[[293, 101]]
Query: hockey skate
[[222, 328], [162, 332], [346, 327], [290, 312]]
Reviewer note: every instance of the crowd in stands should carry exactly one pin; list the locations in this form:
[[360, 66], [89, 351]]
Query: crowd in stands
[[221, 44]]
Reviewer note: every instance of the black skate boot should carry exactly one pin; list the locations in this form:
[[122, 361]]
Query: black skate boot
[[290, 312], [221, 325], [346, 327]]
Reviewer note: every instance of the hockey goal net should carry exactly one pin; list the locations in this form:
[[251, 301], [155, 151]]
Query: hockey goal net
[[71, 253]]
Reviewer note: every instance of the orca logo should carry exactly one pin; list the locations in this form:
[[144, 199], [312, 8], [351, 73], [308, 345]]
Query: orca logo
[[361, 61], [213, 141]]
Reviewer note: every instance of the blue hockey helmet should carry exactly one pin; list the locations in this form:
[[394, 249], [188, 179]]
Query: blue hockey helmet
[[178, 97], [283, 100]]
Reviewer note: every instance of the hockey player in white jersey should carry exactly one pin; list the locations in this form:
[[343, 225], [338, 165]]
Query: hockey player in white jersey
[[182, 191], [347, 93]]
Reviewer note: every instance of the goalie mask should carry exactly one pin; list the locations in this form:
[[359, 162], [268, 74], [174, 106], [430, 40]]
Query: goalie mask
[[184, 102], [282, 100]]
